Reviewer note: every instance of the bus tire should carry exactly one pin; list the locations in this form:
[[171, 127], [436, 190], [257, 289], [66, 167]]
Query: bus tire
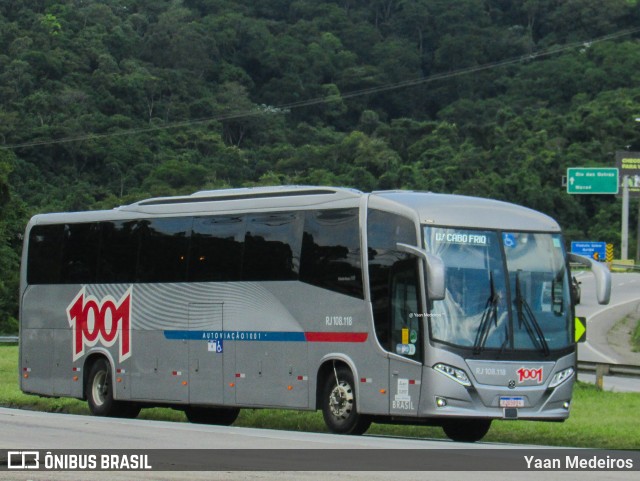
[[466, 430], [99, 390], [339, 404], [218, 416]]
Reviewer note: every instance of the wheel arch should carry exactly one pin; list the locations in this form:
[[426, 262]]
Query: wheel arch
[[325, 369], [90, 359]]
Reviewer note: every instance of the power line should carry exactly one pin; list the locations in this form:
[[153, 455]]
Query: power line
[[322, 100]]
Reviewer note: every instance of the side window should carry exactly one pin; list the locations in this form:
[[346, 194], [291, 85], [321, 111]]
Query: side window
[[331, 251], [216, 249], [45, 254], [272, 247], [119, 248], [394, 283], [80, 253], [163, 249]]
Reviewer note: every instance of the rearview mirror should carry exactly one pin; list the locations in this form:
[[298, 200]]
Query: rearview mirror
[[434, 270], [600, 272]]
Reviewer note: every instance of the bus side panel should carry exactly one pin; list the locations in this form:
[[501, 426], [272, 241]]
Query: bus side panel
[[36, 360], [272, 374], [265, 343], [206, 355], [337, 326], [159, 363], [62, 367], [159, 368], [373, 374], [45, 340]]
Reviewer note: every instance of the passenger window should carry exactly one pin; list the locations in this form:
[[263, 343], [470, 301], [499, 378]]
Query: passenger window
[[80, 253], [216, 249], [331, 251], [45, 254], [272, 247], [163, 249], [118, 252]]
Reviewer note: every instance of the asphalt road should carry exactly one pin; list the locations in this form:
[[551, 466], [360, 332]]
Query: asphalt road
[[35, 430], [625, 299]]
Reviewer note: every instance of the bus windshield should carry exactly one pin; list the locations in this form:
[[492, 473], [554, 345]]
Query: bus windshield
[[505, 291]]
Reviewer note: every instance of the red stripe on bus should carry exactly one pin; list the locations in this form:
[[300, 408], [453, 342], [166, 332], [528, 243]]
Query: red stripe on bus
[[335, 336]]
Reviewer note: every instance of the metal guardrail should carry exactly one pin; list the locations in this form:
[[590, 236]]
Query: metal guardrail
[[631, 266], [610, 369], [9, 339], [601, 370], [613, 265]]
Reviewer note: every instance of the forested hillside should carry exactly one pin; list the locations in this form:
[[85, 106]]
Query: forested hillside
[[106, 102]]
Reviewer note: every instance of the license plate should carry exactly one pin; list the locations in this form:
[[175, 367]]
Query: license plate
[[512, 402]]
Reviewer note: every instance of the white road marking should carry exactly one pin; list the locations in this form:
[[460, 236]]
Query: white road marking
[[608, 359]]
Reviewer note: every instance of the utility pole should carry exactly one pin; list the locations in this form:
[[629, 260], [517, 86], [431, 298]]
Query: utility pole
[[628, 164], [638, 237], [624, 235]]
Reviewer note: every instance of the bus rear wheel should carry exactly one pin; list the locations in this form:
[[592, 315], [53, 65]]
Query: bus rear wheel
[[339, 404], [219, 416], [99, 394], [99, 390], [466, 430]]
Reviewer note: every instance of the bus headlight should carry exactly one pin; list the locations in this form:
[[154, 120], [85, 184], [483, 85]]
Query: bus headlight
[[561, 376], [454, 373]]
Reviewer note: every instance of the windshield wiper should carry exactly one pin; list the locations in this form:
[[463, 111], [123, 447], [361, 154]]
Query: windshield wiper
[[527, 318], [489, 314]]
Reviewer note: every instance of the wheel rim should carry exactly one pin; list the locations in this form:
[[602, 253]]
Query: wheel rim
[[341, 400], [100, 388]]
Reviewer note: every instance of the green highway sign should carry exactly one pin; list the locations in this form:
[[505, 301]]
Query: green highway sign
[[592, 180]]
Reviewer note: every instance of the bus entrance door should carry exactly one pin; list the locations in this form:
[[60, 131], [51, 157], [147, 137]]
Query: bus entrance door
[[405, 366]]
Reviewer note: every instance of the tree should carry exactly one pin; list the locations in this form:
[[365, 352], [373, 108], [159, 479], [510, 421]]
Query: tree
[[171, 96], [9, 248]]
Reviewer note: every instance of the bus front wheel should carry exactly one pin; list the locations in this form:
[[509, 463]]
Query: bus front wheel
[[466, 430], [339, 404]]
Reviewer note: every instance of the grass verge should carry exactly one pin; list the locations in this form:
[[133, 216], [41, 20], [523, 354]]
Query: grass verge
[[599, 419], [635, 338]]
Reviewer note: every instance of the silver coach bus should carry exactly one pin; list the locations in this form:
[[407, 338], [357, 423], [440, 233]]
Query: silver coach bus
[[401, 307]]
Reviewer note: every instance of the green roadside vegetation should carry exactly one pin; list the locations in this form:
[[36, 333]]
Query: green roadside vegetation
[[624, 336], [107, 103], [635, 338], [604, 420]]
